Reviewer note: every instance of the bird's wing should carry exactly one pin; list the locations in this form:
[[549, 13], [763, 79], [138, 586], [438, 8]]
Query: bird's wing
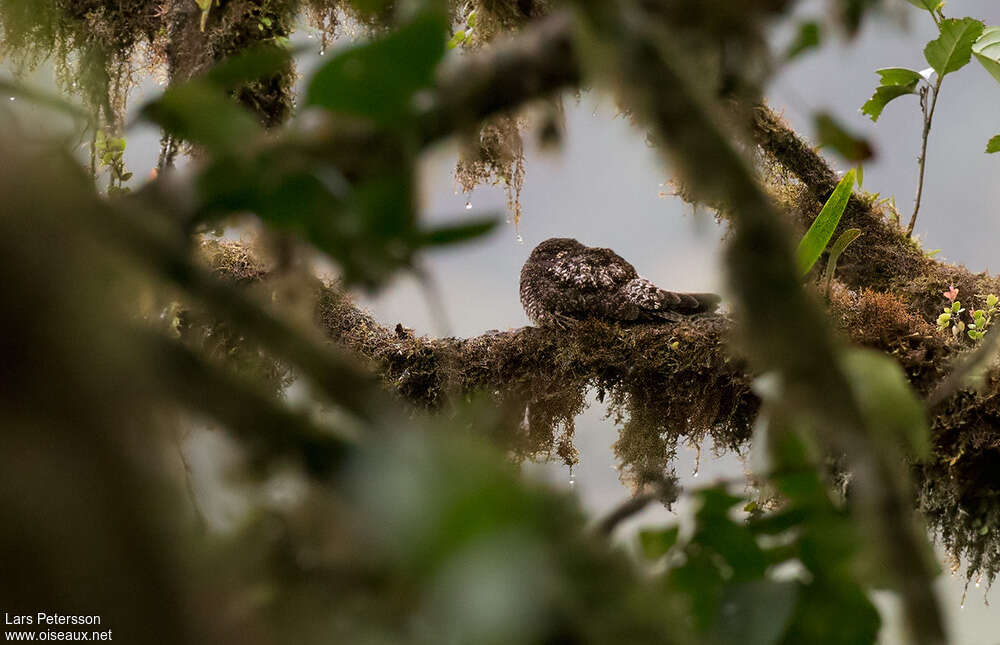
[[593, 270]]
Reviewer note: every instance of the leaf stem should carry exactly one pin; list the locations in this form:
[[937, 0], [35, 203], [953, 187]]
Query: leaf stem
[[928, 119]]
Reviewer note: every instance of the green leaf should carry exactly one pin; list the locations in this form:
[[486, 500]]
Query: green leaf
[[894, 82], [952, 50], [260, 62], [379, 79], [844, 241], [929, 5], [655, 543], [832, 134], [819, 234], [807, 38], [987, 51], [899, 76], [887, 400], [455, 233], [202, 113], [993, 145], [457, 39]]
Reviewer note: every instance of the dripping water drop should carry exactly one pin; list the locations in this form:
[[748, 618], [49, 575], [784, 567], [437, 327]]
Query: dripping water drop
[[468, 206], [520, 240]]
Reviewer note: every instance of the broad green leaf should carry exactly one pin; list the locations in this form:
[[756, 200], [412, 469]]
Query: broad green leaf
[[844, 241], [455, 233], [656, 542], [832, 134], [807, 38], [952, 50], [898, 76], [887, 400], [378, 80], [883, 95], [993, 145], [987, 51], [894, 82], [929, 5], [819, 234], [260, 62], [202, 113]]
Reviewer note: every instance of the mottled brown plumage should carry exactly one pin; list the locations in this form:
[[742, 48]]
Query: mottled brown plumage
[[564, 280]]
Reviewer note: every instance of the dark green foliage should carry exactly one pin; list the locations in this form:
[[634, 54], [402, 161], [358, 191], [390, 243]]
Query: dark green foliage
[[379, 80]]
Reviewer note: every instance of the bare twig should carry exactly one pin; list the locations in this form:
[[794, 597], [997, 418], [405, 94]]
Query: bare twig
[[666, 491], [928, 112]]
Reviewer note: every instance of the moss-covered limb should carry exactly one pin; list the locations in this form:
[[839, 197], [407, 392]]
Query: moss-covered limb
[[541, 60], [884, 255], [660, 393], [663, 381]]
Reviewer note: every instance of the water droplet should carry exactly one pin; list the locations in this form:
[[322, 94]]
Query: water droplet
[[12, 98], [520, 240], [310, 36], [594, 113], [572, 482], [694, 474], [468, 206]]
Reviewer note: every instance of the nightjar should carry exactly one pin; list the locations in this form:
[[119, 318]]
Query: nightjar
[[564, 280]]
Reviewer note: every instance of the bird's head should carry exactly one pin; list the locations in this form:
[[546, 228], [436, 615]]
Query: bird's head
[[553, 246]]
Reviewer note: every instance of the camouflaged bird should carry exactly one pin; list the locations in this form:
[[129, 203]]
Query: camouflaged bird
[[563, 281]]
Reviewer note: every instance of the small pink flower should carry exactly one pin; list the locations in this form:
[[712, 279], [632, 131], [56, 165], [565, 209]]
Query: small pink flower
[[952, 293]]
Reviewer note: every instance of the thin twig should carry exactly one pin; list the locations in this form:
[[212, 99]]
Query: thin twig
[[192, 494], [665, 490], [928, 119]]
